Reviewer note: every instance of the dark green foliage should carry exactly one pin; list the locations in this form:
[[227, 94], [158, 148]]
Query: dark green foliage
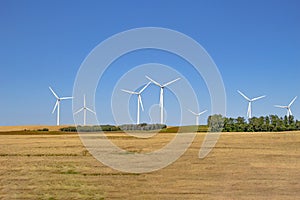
[[98, 128], [43, 129], [68, 129], [126, 127], [216, 123], [270, 123], [142, 127], [90, 128]]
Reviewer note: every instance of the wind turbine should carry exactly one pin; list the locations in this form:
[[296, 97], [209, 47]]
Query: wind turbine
[[249, 113], [197, 115], [57, 104], [139, 102], [161, 98], [289, 112], [84, 109]]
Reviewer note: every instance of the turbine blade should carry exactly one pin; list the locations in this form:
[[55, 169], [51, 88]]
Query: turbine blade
[[202, 112], [244, 96], [130, 92], [78, 111], [258, 98], [141, 102], [64, 98], [91, 110], [292, 101], [144, 87], [281, 106], [171, 82], [153, 81], [55, 106], [84, 103], [192, 112], [53, 93]]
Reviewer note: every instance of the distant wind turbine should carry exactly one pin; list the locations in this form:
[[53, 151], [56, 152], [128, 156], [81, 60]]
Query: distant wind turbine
[[139, 102], [288, 107], [161, 99], [84, 109], [57, 104], [198, 115], [249, 112]]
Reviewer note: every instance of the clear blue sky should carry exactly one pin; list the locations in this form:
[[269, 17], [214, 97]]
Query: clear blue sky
[[255, 44]]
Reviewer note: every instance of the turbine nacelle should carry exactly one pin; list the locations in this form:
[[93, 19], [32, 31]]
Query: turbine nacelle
[[139, 102], [161, 98], [288, 107], [249, 112], [84, 109], [57, 104], [197, 115]]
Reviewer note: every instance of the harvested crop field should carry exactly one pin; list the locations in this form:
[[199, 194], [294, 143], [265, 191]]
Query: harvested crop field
[[241, 166]]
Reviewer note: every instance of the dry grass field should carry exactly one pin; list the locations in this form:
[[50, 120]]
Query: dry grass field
[[241, 166], [30, 127]]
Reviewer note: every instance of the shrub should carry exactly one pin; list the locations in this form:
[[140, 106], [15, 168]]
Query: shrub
[[43, 129]]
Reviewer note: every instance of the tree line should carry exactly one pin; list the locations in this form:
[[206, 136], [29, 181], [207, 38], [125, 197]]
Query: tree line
[[215, 123], [125, 127], [271, 123]]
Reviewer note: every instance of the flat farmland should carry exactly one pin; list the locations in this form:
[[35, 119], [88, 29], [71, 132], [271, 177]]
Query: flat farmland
[[241, 166]]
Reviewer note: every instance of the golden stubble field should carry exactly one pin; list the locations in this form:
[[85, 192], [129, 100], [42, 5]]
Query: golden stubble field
[[241, 166], [30, 127]]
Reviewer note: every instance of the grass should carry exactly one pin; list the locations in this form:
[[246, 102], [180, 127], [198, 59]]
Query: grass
[[35, 132], [31, 127], [185, 129], [241, 166]]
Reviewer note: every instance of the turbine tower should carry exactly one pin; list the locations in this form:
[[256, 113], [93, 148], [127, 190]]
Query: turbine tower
[[288, 107], [197, 116], [161, 98], [139, 102], [84, 109], [249, 112], [57, 104]]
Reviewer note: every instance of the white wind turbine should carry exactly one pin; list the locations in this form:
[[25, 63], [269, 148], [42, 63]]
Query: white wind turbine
[[57, 104], [198, 115], [161, 98], [289, 112], [84, 109], [139, 102], [249, 113]]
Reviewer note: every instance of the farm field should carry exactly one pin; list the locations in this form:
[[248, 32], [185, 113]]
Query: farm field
[[30, 127], [241, 166]]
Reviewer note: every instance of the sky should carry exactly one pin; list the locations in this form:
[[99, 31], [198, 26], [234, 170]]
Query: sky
[[255, 45]]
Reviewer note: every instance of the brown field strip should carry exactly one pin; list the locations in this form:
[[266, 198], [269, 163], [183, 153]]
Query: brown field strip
[[241, 166], [30, 127]]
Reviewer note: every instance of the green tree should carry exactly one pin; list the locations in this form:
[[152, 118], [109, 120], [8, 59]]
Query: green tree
[[216, 123]]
